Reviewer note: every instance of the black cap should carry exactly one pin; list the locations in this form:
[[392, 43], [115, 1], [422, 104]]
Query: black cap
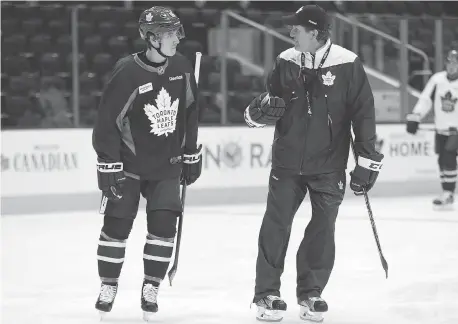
[[310, 16]]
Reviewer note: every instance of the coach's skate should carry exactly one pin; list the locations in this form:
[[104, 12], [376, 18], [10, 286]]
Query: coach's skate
[[312, 309], [444, 201], [106, 298], [270, 309], [149, 300]]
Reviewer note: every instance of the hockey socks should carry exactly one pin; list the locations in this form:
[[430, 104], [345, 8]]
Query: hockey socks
[[110, 258], [157, 254]]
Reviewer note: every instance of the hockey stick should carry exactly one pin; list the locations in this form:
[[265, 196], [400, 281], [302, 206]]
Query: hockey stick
[[371, 217], [174, 268]]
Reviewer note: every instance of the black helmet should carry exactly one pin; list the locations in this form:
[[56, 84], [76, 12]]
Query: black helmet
[[159, 20]]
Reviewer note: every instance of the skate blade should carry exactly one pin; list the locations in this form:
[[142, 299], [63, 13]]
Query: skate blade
[[148, 316], [102, 315], [443, 208], [265, 315], [311, 317]]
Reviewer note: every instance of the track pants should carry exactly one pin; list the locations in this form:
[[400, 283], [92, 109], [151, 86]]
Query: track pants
[[316, 254]]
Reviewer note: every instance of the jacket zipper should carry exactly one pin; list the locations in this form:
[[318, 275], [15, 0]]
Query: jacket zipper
[[329, 121]]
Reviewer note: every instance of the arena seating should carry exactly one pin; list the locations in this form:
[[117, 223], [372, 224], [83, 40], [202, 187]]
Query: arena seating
[[37, 47]]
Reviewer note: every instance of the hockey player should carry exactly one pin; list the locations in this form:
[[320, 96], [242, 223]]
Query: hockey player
[[146, 142], [315, 91], [441, 92]]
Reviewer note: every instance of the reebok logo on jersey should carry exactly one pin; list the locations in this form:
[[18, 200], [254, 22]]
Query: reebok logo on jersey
[[178, 77], [163, 115], [145, 88]]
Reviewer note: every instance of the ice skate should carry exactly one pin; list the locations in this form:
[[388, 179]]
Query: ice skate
[[106, 299], [444, 201], [312, 309], [270, 309], [149, 300]]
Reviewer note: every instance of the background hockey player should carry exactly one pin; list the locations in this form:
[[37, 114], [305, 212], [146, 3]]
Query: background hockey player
[[325, 89], [147, 119], [441, 92]]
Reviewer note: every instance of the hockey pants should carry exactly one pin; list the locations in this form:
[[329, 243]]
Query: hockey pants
[[316, 254], [447, 152]]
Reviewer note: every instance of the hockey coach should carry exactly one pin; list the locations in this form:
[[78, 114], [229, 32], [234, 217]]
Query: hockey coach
[[316, 91]]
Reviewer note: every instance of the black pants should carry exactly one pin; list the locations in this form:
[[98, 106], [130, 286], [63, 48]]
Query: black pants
[[447, 153], [316, 254], [163, 206]]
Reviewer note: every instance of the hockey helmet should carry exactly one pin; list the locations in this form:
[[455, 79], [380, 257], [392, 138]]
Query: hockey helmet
[[451, 63], [159, 21], [452, 57]]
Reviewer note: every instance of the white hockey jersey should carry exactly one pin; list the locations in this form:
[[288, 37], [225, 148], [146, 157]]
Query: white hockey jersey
[[442, 94]]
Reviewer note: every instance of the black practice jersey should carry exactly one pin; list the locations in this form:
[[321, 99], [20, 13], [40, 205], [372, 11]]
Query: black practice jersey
[[144, 114]]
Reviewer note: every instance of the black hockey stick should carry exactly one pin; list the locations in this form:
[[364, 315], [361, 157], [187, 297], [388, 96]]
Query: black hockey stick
[[371, 216], [174, 268]]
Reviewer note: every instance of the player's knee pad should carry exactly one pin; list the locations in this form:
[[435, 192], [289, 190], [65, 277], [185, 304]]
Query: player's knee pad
[[162, 223], [117, 228]]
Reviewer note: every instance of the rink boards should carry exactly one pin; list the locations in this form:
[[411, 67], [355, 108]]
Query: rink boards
[[46, 163]]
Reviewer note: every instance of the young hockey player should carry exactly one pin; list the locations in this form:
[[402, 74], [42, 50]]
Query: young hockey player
[[146, 142], [441, 92], [315, 91]]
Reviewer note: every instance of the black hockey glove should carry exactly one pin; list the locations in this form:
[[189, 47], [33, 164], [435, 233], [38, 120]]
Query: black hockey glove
[[452, 141], [413, 121], [264, 110], [192, 166], [365, 173], [111, 179]]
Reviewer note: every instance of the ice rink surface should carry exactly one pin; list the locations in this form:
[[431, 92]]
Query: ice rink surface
[[49, 269]]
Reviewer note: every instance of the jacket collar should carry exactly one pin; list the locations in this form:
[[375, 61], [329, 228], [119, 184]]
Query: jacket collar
[[319, 53]]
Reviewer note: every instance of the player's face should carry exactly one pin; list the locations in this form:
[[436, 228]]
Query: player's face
[[170, 41], [304, 41], [452, 68]]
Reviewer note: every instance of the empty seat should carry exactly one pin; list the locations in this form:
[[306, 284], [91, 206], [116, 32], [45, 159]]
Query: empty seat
[[22, 84], [85, 29], [57, 28], [51, 63], [188, 15], [40, 43], [102, 63], [118, 46], [32, 26], [14, 44], [109, 28], [82, 62], [63, 45], [92, 45], [10, 26], [130, 30], [16, 105], [54, 11], [15, 65], [88, 82]]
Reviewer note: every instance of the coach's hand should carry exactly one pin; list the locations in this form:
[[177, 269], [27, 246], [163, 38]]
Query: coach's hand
[[365, 173], [264, 110], [192, 166]]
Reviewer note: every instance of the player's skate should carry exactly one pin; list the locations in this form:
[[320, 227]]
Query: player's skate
[[270, 309], [444, 201], [149, 300], [312, 309], [106, 298]]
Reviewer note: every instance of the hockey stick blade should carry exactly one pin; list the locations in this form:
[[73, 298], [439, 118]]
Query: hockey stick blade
[[371, 216], [174, 268]]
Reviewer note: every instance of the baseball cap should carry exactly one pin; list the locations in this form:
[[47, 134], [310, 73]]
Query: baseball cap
[[310, 16]]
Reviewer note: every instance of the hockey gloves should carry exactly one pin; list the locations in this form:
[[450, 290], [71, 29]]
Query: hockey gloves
[[264, 110], [413, 121], [111, 179], [365, 173], [192, 166]]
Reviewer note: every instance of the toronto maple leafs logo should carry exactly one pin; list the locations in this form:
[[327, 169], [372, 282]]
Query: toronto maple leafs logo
[[162, 116], [149, 16], [328, 78], [448, 102]]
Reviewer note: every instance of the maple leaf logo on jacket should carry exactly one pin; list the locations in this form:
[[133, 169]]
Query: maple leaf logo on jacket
[[162, 116]]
